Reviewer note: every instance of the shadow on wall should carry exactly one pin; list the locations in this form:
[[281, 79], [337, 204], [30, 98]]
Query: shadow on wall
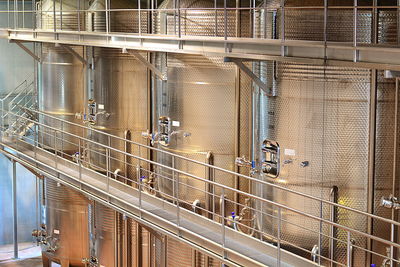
[[26, 202]]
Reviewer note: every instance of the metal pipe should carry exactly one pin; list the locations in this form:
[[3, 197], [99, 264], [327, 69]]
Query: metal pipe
[[15, 208], [371, 156]]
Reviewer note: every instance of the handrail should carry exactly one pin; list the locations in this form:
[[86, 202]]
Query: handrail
[[278, 205], [249, 178], [17, 87]]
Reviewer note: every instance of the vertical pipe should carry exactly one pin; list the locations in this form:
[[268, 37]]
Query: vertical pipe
[[371, 158], [283, 27], [15, 211], [372, 135], [237, 136]]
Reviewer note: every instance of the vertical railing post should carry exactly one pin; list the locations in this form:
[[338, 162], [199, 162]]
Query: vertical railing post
[[278, 258], [61, 14], [179, 19], [350, 250], [79, 158], [108, 167], [333, 231], [23, 14], [355, 57], [79, 15], [283, 48], [8, 13], [15, 208], [225, 22], [55, 149], [107, 17], [223, 221], [178, 221], [139, 18], [216, 18], [3, 127], [54, 16], [15, 14]]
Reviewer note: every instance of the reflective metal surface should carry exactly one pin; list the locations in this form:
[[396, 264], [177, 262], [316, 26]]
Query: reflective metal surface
[[61, 93], [66, 225]]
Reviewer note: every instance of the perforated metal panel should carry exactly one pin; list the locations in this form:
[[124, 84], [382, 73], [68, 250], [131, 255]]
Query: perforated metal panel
[[200, 94], [321, 115]]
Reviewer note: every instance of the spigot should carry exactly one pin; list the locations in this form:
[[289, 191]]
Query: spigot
[[391, 202], [150, 136], [243, 162]]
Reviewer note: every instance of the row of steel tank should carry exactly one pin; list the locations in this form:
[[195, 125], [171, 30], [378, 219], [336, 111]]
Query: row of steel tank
[[314, 122]]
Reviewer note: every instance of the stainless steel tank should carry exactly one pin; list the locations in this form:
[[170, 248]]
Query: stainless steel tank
[[120, 97], [195, 109], [61, 95], [61, 92], [119, 94], [66, 226], [318, 119], [107, 236]]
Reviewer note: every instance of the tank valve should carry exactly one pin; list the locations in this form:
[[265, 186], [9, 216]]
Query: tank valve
[[391, 202], [91, 262], [243, 162]]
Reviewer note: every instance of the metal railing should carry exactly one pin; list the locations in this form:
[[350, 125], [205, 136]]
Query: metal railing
[[257, 20], [178, 179]]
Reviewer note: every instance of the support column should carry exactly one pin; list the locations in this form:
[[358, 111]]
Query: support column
[[15, 212]]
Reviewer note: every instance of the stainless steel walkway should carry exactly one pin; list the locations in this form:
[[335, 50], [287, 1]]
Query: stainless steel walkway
[[212, 238]]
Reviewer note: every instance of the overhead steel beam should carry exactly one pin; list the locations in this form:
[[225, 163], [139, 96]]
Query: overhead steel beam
[[150, 66], [370, 56], [27, 50], [74, 53]]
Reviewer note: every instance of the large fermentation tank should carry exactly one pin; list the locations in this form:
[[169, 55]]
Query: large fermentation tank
[[66, 224], [61, 95], [319, 118], [197, 103], [119, 94]]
